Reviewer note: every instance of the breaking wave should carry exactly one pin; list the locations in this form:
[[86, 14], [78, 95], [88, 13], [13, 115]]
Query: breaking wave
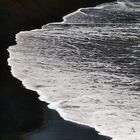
[[87, 67]]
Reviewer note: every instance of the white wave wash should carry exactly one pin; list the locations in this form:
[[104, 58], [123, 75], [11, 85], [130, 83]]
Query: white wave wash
[[87, 67]]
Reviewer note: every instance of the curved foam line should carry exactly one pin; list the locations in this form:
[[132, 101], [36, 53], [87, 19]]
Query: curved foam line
[[78, 11], [129, 4], [54, 105]]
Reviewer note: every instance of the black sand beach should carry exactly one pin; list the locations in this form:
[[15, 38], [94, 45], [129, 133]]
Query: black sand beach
[[21, 112]]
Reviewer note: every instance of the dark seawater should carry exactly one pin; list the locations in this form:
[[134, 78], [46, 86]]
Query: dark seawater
[[87, 67], [55, 128]]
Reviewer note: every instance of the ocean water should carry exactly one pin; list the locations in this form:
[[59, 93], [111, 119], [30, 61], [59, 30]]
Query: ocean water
[[87, 67]]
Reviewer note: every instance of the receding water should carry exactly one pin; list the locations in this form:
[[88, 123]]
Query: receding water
[[87, 67]]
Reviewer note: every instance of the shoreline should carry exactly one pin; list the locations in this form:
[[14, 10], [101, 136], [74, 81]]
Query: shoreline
[[57, 128], [21, 110], [54, 119]]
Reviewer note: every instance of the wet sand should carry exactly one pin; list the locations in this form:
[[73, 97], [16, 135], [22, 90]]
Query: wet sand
[[21, 112]]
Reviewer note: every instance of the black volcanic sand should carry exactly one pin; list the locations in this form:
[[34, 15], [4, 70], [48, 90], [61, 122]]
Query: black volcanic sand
[[21, 112]]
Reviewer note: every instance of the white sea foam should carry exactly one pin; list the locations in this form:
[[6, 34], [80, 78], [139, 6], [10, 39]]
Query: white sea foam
[[86, 67]]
